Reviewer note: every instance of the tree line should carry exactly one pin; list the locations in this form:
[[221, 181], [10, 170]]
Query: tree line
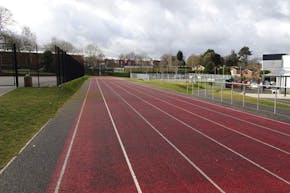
[[212, 62]]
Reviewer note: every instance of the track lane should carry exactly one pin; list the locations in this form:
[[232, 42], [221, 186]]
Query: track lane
[[258, 121], [266, 182], [96, 162], [259, 153], [158, 167], [263, 136]]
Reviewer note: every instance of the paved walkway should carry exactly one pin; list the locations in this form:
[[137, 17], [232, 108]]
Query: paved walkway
[[6, 89], [268, 96]]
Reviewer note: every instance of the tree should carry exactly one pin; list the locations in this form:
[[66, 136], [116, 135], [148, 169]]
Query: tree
[[28, 39], [210, 59], [93, 50], [193, 60], [46, 61], [93, 55], [179, 57], [62, 44], [5, 19], [244, 53], [209, 68], [232, 59]]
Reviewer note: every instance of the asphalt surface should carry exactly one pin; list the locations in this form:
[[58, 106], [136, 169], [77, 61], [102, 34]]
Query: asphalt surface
[[42, 81], [31, 170]]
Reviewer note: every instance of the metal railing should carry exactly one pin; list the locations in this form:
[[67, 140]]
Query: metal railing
[[253, 96], [268, 99]]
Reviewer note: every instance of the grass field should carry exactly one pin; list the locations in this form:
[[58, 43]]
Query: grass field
[[24, 111]]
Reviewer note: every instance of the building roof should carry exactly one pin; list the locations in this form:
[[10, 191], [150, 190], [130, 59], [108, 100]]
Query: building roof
[[272, 56]]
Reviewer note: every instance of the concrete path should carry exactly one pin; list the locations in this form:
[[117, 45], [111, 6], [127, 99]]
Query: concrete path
[[6, 89], [31, 170]]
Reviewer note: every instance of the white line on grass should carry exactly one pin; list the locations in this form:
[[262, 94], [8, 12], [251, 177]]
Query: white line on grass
[[24, 147], [171, 144], [211, 139], [56, 190], [121, 143]]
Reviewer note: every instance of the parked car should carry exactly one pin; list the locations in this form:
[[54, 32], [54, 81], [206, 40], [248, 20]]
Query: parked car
[[254, 85]]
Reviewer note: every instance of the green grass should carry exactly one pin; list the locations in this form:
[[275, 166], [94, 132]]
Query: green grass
[[239, 97], [181, 87], [24, 111], [174, 86]]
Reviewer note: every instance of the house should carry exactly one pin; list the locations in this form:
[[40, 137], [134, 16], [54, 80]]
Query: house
[[235, 72], [248, 74], [198, 68]]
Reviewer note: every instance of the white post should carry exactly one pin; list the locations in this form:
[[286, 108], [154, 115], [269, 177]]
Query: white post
[[258, 98], [244, 92], [275, 102], [222, 92], [232, 93]]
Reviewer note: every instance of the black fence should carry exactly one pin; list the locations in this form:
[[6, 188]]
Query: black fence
[[8, 65], [67, 67]]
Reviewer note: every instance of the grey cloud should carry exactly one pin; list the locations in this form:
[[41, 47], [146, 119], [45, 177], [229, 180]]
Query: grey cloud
[[165, 26]]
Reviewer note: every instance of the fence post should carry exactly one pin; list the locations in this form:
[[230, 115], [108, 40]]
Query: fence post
[[275, 101], [232, 88], [205, 90], [222, 92], [258, 98], [187, 86], [192, 86], [197, 86], [212, 90], [15, 65], [244, 92]]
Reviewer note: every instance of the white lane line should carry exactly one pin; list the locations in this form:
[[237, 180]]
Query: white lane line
[[56, 190], [170, 143], [211, 139], [121, 143], [8, 164], [227, 108], [216, 123], [24, 147]]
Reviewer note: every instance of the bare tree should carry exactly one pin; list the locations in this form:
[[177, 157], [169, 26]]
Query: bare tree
[[92, 50], [5, 18], [94, 55], [63, 44], [28, 39]]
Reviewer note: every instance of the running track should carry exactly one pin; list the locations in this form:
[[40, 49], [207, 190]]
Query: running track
[[134, 138]]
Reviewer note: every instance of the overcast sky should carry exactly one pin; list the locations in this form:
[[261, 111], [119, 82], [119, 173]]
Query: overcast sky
[[157, 27]]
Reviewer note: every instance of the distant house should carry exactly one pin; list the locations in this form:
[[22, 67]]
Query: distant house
[[237, 72], [198, 68]]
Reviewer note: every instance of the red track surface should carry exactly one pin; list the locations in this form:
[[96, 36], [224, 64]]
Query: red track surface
[[173, 144]]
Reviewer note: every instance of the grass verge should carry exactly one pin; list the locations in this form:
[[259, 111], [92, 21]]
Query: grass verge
[[174, 86], [23, 111], [182, 88]]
